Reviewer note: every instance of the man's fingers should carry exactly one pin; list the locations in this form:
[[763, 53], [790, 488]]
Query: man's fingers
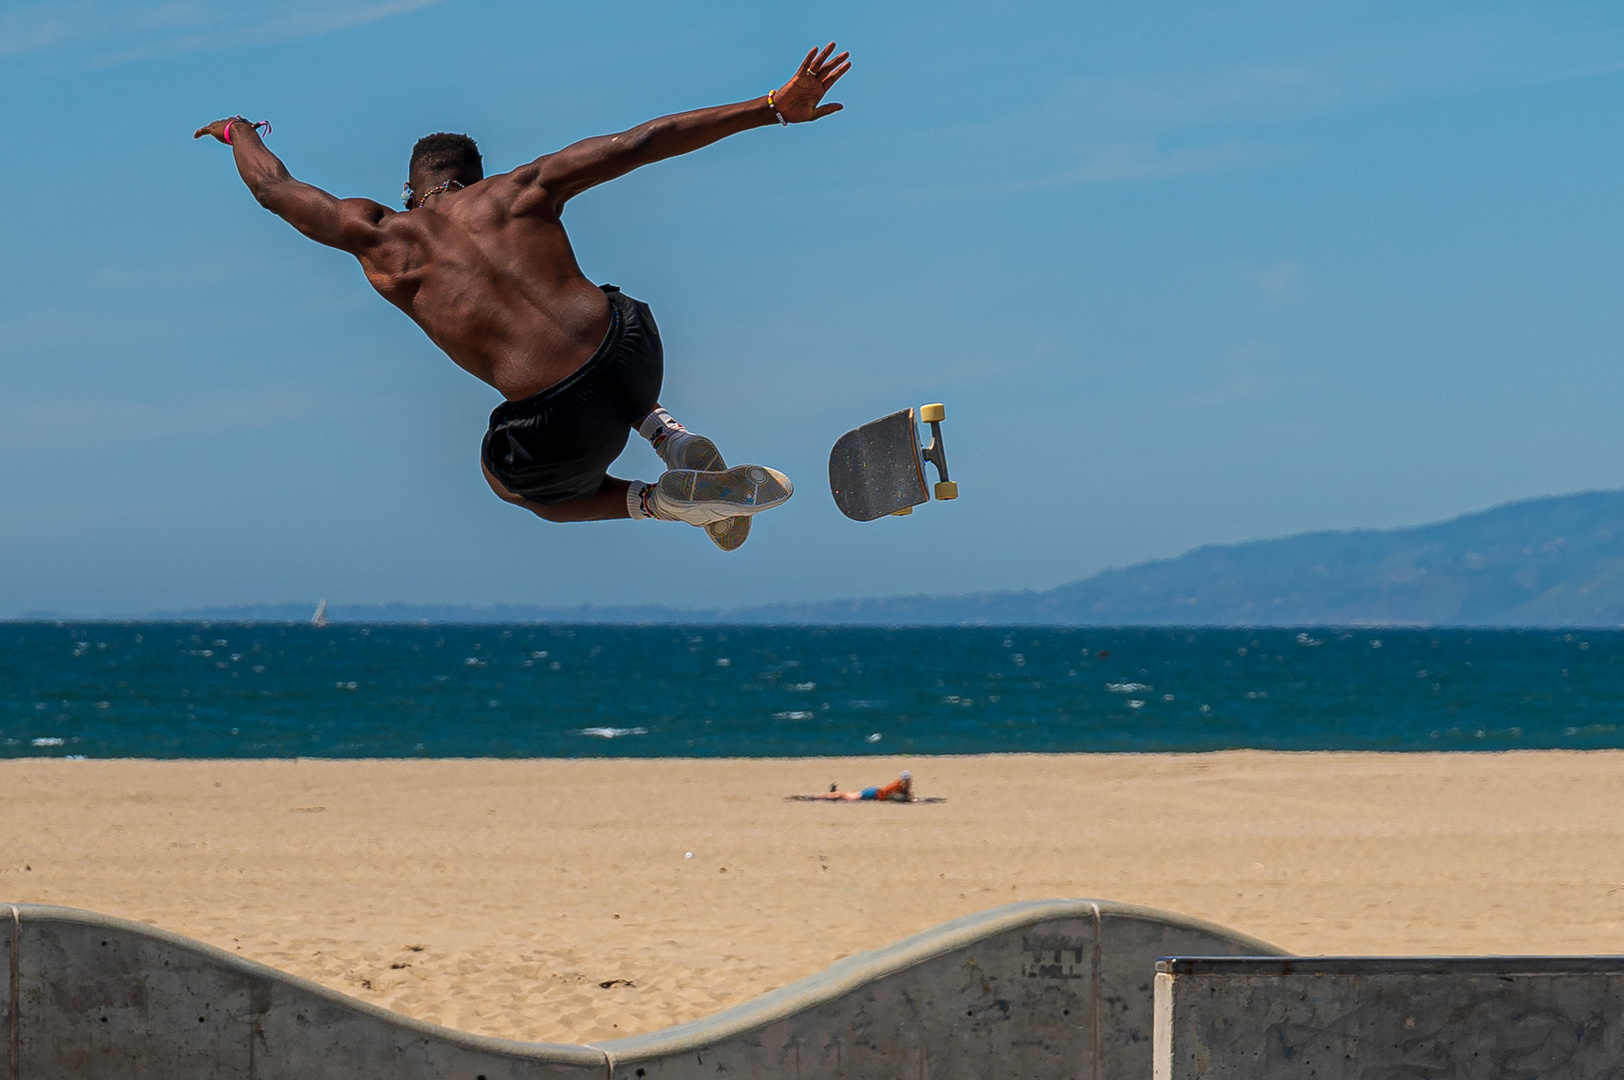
[[827, 49], [806, 65], [829, 65], [825, 110], [217, 129], [830, 79]]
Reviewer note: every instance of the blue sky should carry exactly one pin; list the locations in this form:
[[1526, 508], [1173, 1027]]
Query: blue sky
[[1182, 273]]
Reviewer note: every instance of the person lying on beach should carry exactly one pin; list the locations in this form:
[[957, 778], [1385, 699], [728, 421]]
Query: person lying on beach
[[483, 266], [898, 790]]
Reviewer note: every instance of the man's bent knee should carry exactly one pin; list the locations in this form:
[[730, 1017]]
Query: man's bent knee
[[607, 503], [497, 486]]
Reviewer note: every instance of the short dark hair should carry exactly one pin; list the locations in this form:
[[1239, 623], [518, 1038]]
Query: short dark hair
[[445, 152]]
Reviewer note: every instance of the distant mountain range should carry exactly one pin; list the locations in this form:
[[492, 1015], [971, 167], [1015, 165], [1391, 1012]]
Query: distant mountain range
[[1556, 561]]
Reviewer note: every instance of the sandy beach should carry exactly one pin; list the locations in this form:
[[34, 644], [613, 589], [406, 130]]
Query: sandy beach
[[554, 900]]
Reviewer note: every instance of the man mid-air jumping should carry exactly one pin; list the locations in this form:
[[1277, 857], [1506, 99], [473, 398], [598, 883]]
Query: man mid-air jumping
[[483, 266]]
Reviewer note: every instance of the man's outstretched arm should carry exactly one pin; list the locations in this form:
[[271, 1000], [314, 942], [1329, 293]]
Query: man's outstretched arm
[[594, 161], [347, 224]]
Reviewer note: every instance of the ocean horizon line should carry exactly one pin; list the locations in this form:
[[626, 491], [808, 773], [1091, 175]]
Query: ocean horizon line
[[1554, 562], [605, 615]]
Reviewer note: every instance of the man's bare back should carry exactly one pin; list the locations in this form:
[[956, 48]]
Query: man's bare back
[[484, 267], [489, 275]]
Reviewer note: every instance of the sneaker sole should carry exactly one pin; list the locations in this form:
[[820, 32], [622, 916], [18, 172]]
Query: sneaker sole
[[729, 533], [701, 454], [743, 490]]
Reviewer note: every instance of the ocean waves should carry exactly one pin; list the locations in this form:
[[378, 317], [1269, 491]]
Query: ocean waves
[[274, 690]]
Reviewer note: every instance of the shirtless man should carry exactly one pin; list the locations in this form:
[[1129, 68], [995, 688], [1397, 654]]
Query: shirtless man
[[898, 790], [483, 266]]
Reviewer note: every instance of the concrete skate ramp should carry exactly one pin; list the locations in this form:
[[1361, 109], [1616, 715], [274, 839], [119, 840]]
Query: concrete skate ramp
[[1044, 989], [1350, 1018]]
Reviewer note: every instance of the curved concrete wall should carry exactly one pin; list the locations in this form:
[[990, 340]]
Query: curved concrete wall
[[1052, 988]]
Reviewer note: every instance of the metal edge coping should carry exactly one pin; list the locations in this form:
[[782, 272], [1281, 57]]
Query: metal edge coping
[[842, 977], [1389, 965], [1260, 948]]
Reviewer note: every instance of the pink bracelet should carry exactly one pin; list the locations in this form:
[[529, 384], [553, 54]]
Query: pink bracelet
[[255, 124]]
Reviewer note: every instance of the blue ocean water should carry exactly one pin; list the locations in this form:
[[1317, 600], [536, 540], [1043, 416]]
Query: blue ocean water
[[169, 690]]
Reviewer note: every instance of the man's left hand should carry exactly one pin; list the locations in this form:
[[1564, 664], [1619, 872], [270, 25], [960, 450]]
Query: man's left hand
[[797, 101]]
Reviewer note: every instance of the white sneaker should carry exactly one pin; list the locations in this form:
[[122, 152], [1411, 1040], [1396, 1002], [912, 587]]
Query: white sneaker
[[685, 450], [708, 498], [729, 533]]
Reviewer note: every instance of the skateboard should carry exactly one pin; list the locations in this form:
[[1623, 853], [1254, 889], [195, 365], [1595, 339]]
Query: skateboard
[[879, 469]]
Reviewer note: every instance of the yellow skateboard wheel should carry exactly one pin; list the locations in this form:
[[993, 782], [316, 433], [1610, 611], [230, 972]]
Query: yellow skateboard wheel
[[947, 489], [932, 414], [904, 512]]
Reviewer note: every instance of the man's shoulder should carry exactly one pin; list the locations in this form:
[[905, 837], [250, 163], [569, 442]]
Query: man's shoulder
[[523, 192]]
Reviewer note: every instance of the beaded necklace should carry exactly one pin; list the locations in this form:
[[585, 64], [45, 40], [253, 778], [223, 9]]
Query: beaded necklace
[[440, 189]]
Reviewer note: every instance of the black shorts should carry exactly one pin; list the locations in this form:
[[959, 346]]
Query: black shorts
[[558, 445]]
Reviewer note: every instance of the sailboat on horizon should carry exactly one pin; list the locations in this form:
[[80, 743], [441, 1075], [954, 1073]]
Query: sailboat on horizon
[[319, 619]]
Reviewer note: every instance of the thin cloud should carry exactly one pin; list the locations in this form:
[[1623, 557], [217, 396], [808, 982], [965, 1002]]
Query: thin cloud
[[1281, 284], [101, 34], [1179, 99], [1147, 161], [1138, 161], [28, 427], [26, 32], [1235, 388], [288, 27], [1432, 52], [1598, 71], [1109, 163]]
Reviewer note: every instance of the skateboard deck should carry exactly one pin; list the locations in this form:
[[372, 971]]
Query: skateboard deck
[[879, 469]]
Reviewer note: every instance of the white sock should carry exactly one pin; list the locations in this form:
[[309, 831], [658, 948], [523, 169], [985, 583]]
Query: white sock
[[634, 501], [658, 426]]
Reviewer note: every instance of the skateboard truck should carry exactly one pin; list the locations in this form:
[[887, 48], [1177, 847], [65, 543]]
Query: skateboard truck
[[936, 453]]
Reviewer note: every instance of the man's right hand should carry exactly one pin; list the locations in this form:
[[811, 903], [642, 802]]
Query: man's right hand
[[217, 129], [797, 100]]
